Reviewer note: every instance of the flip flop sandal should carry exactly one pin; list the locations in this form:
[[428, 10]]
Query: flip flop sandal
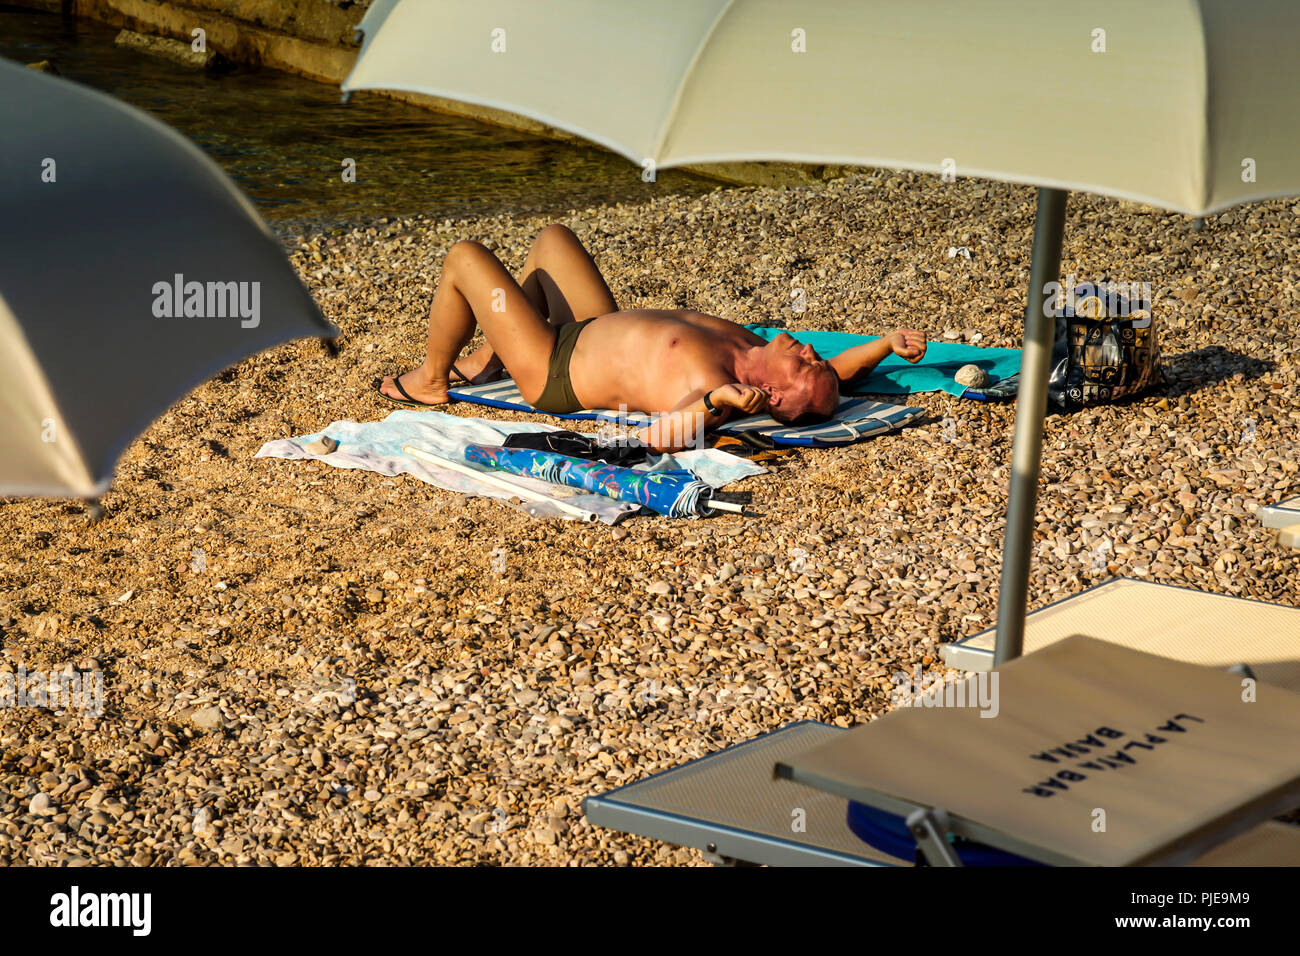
[[411, 402], [755, 440], [755, 448]]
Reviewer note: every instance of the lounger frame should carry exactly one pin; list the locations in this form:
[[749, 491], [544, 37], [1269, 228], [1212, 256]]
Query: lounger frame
[[626, 810]]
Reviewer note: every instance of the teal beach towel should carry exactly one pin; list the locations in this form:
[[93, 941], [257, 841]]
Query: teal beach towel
[[894, 376]]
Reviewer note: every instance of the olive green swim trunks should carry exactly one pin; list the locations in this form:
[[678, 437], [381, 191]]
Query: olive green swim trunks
[[558, 398]]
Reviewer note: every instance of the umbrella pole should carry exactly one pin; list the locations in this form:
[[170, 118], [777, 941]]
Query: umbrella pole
[[1031, 406]]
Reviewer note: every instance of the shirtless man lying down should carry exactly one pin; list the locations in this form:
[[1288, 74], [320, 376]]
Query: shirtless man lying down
[[561, 336]]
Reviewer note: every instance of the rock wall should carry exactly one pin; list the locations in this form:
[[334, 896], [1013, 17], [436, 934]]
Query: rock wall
[[312, 38]]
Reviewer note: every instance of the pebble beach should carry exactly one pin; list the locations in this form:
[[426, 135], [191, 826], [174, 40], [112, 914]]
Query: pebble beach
[[303, 665]]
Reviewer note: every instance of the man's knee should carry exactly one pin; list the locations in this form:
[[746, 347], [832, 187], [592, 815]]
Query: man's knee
[[557, 232], [551, 241], [462, 252]]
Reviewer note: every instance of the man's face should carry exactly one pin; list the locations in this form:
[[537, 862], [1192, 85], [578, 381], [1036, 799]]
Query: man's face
[[802, 381], [790, 361]]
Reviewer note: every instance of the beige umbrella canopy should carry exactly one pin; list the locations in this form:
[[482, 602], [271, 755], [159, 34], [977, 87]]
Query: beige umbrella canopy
[[131, 269], [1190, 105], [1183, 104]]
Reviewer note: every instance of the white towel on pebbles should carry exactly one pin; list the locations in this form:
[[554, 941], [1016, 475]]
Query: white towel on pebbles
[[377, 447]]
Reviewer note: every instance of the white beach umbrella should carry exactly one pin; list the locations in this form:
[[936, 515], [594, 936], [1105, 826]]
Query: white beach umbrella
[[131, 270], [1161, 101], [1190, 105]]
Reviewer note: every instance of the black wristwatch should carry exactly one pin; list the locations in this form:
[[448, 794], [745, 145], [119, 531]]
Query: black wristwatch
[[708, 404]]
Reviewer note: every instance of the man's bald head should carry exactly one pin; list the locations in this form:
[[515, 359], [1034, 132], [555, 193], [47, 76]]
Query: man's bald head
[[803, 387]]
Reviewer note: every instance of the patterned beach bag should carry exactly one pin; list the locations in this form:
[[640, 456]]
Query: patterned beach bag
[[1111, 348]]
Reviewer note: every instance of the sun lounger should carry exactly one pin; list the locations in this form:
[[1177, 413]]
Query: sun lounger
[[1198, 627], [1270, 844], [729, 806], [857, 419], [1281, 515], [1183, 769], [1285, 517]]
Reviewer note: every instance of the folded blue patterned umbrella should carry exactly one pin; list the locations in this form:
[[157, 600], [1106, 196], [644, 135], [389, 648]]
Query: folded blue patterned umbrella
[[676, 493]]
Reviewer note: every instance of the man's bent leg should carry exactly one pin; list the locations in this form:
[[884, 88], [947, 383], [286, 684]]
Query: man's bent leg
[[562, 282], [476, 286]]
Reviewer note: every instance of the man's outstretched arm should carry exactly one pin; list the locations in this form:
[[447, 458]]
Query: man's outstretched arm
[[854, 364], [684, 425]]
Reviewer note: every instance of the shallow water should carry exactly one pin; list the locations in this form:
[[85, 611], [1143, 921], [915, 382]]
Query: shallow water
[[283, 139]]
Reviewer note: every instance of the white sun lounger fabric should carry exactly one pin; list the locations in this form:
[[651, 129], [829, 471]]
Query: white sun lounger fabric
[[1199, 627]]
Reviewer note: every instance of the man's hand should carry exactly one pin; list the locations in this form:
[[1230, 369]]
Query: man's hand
[[745, 398], [908, 344], [685, 425]]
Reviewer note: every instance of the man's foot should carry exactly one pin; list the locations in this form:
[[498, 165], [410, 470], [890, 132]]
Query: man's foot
[[414, 389], [477, 368]]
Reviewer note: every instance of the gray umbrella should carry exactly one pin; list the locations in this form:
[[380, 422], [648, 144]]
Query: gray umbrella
[[131, 270]]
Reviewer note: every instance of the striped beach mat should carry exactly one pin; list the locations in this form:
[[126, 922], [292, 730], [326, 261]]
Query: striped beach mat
[[857, 419]]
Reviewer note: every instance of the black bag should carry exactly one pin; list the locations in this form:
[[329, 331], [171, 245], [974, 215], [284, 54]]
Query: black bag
[[1108, 348], [625, 451]]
